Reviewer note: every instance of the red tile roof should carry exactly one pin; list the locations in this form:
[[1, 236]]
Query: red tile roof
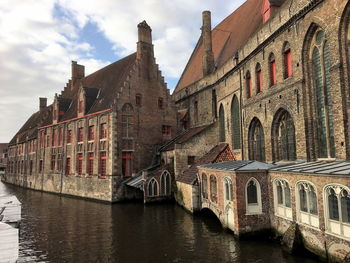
[[220, 153], [227, 37]]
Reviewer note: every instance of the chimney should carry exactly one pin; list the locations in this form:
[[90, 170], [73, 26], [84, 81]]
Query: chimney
[[208, 55], [144, 43], [42, 103], [78, 71]]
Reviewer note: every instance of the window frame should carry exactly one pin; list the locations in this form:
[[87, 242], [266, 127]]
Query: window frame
[[253, 208], [306, 217]]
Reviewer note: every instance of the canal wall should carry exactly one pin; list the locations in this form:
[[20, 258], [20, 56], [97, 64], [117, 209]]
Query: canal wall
[[107, 189]]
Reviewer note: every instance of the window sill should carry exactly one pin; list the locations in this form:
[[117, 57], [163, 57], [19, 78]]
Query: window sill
[[254, 214]]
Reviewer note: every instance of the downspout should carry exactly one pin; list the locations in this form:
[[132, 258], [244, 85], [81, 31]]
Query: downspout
[[63, 162]]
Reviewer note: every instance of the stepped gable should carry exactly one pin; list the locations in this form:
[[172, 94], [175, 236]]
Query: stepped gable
[[227, 37], [30, 128], [220, 153], [107, 80]]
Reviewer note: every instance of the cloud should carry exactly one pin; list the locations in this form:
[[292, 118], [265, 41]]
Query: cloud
[[39, 38]]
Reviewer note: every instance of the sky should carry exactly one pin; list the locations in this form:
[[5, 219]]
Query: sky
[[40, 38]]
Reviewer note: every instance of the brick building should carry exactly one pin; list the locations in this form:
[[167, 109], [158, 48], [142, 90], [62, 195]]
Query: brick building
[[99, 131], [272, 81], [3, 157]]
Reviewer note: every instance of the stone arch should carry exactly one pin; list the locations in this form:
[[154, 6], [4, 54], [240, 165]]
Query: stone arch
[[214, 212], [256, 140], [153, 187], [283, 136], [318, 110], [222, 136], [236, 123]]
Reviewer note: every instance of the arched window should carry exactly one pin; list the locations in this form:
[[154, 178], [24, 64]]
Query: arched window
[[152, 187], [320, 59], [213, 189], [228, 189], [307, 212], [221, 124], [256, 141], [165, 183], [204, 186], [282, 198], [258, 76], [287, 60], [236, 124], [337, 209], [248, 80], [283, 137], [272, 69], [253, 197]]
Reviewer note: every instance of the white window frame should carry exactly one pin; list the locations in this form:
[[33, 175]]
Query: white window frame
[[165, 174], [306, 218], [282, 210], [228, 181], [335, 227], [149, 185], [256, 208]]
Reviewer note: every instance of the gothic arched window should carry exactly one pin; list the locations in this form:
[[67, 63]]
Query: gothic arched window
[[287, 60], [248, 80], [236, 124], [337, 209], [320, 60], [258, 76], [282, 198], [165, 183], [256, 141], [272, 69], [221, 124], [307, 213], [213, 189], [253, 197], [152, 187], [204, 186], [283, 137]]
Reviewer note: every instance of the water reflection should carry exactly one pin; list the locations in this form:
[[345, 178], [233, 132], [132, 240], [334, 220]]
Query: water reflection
[[60, 229]]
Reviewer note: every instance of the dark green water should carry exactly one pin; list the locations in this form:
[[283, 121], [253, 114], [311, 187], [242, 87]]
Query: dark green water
[[61, 229]]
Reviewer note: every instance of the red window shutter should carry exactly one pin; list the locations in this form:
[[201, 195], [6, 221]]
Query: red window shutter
[[103, 159], [68, 166], [90, 167], [80, 164], [103, 133]]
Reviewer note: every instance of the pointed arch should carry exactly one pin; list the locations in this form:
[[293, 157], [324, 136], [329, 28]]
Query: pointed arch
[[283, 137], [287, 60], [253, 196], [222, 136], [153, 187], [258, 78], [236, 123], [256, 141], [165, 183], [318, 108], [272, 70]]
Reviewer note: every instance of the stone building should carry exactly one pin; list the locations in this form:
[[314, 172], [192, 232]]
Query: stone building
[[3, 157], [272, 80], [99, 131]]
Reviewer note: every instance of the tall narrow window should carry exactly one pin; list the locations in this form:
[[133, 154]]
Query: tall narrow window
[[103, 131], [68, 166], [80, 164], [69, 136], [253, 197], [272, 67], [80, 134], [213, 189], [323, 101], [258, 76], [222, 136], [60, 136], [54, 137], [213, 102], [103, 160], [282, 198], [90, 164], [236, 124], [127, 163], [287, 60], [283, 137], [152, 187], [256, 141], [228, 189], [53, 162], [80, 106], [127, 127], [165, 183], [248, 80], [195, 106], [204, 186], [91, 133]]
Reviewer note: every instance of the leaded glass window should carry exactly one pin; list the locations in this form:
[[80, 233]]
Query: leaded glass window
[[252, 193], [236, 124], [256, 141], [221, 124]]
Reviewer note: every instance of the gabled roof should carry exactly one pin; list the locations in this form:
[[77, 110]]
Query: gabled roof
[[106, 81], [182, 138], [227, 37], [219, 153]]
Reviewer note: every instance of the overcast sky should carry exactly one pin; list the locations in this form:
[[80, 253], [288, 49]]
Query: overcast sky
[[40, 38]]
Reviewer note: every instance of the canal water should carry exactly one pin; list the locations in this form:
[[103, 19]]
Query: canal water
[[62, 229]]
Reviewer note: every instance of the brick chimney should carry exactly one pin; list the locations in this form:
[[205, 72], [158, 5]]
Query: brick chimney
[[78, 72], [208, 55], [42, 103], [144, 44]]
